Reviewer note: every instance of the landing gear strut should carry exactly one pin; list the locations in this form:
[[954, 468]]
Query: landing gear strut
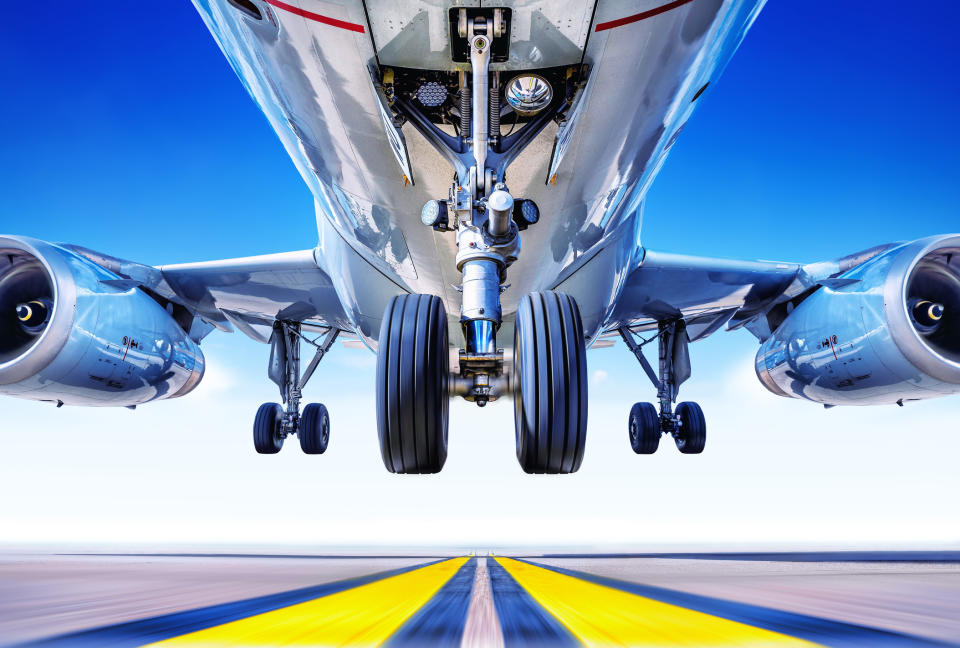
[[550, 390], [273, 422], [686, 425]]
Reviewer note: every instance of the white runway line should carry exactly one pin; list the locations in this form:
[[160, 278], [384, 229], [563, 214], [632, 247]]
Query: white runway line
[[482, 629]]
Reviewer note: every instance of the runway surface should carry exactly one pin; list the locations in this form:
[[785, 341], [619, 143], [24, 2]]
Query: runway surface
[[836, 599]]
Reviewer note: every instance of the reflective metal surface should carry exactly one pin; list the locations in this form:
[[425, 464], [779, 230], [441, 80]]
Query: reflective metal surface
[[312, 80], [856, 344], [105, 343], [529, 94], [314, 67], [544, 33]]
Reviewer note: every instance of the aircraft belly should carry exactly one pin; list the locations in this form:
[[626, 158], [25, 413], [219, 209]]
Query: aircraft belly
[[313, 81]]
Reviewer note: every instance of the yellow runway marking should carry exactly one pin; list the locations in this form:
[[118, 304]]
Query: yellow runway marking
[[604, 616], [362, 616]]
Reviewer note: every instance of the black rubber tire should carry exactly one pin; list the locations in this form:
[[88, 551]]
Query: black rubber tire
[[413, 370], [314, 429], [644, 428], [550, 384], [266, 429], [692, 436]]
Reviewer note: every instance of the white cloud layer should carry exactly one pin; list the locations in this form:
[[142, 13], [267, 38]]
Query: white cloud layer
[[775, 471]]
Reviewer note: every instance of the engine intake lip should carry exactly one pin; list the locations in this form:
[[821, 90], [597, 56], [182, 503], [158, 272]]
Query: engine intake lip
[[930, 358], [42, 351]]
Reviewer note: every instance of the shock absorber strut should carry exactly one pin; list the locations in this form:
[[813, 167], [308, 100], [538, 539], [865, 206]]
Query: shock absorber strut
[[481, 210]]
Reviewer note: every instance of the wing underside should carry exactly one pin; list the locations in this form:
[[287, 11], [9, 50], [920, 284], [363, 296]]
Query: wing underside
[[247, 294]]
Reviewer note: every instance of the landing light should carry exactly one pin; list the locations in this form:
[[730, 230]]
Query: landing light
[[434, 214], [528, 94]]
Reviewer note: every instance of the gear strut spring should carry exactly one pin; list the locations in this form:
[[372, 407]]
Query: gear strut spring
[[495, 112], [465, 111]]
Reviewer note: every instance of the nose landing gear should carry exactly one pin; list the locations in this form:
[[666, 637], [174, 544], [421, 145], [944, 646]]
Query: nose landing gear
[[413, 385], [687, 424]]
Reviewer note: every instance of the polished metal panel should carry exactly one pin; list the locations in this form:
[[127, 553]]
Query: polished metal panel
[[855, 344], [666, 286], [544, 33], [313, 82], [106, 343], [260, 289]]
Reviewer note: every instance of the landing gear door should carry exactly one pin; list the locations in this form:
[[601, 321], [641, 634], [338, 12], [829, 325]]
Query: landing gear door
[[394, 135], [277, 366]]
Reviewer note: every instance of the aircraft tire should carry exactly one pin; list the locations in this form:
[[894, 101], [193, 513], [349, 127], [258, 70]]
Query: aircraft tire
[[413, 370], [692, 436], [550, 384], [314, 430], [266, 429], [644, 428]]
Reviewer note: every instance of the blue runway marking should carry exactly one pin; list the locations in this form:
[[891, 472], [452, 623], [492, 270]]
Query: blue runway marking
[[523, 621], [166, 626], [441, 621], [802, 626]]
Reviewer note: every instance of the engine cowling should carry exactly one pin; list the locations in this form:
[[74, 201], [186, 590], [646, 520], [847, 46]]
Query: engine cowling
[[888, 331], [73, 332]]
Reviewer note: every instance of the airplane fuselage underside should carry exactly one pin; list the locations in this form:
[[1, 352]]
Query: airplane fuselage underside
[[314, 67]]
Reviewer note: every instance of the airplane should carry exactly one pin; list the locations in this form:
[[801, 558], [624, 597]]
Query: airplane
[[435, 137]]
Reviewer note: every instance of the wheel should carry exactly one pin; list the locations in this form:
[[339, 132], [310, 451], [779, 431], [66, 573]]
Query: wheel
[[692, 435], [314, 430], [644, 426], [266, 429], [550, 384], [413, 365]]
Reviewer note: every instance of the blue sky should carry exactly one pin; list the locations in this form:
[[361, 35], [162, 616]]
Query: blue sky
[[833, 129]]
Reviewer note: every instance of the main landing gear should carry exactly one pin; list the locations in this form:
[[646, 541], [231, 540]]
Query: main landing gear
[[686, 425], [273, 422]]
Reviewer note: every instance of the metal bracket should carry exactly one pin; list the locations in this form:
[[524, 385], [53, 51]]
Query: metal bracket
[[481, 377]]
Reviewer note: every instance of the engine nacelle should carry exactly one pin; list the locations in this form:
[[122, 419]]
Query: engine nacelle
[[73, 332], [892, 333]]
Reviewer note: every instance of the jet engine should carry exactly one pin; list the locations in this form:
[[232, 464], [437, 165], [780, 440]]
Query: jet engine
[[887, 331], [74, 333]]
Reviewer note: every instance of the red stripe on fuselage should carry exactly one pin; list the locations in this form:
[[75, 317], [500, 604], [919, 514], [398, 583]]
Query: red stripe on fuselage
[[309, 15], [643, 15]]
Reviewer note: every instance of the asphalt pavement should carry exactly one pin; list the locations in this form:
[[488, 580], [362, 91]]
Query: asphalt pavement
[[833, 599]]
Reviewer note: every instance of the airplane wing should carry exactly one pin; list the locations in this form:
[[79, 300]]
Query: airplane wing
[[709, 293], [246, 294]]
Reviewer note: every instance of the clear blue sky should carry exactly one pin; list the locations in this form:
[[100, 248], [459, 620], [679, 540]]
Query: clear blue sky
[[833, 129]]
